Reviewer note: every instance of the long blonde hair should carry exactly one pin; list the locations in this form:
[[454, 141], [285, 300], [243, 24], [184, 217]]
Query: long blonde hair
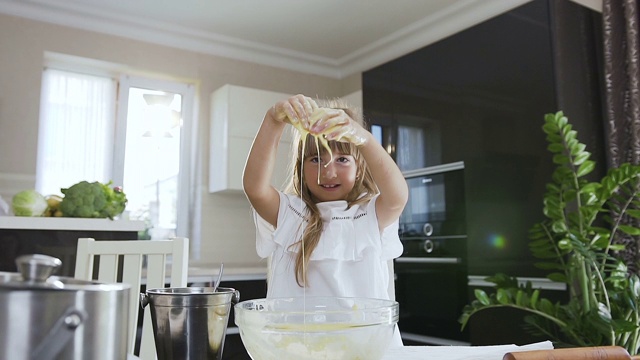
[[363, 190]]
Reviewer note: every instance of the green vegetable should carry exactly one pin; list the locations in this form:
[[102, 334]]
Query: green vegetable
[[28, 203], [116, 200], [93, 200]]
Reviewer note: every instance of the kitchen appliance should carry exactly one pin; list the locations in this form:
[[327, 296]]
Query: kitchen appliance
[[316, 328], [49, 317], [190, 323], [431, 274]]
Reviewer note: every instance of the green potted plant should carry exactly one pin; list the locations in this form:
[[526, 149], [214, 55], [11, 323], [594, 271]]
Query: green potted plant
[[576, 244]]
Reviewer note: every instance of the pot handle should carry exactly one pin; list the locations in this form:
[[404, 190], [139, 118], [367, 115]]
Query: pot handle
[[59, 335], [235, 298], [37, 267], [144, 300]]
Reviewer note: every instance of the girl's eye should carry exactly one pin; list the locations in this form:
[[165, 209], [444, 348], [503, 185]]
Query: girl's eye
[[342, 159], [314, 159]]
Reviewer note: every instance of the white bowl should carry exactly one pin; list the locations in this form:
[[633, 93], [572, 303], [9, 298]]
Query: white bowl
[[314, 328]]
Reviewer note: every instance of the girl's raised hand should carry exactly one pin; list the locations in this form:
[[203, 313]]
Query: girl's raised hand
[[296, 110], [336, 125]]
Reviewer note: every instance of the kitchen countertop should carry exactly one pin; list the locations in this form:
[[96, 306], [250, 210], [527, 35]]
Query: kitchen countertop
[[62, 223], [207, 272], [199, 272]]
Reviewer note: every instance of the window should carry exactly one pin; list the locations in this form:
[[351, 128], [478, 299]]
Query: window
[[152, 140], [141, 144], [76, 129], [411, 147]]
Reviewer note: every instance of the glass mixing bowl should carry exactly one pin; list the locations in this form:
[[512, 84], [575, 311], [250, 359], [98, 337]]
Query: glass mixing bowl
[[313, 328]]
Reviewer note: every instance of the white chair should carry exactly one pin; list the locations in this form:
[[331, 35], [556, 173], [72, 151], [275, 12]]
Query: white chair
[[133, 252]]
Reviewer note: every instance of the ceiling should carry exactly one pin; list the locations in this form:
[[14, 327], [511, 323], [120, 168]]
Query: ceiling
[[334, 38]]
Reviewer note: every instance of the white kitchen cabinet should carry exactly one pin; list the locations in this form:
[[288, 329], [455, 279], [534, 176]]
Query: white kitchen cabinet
[[236, 115]]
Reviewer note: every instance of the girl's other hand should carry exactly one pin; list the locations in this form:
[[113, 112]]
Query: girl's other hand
[[336, 125], [296, 110]]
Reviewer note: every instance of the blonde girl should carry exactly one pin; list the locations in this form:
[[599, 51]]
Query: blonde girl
[[335, 229]]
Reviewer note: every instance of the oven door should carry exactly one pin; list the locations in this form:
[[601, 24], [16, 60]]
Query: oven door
[[431, 292], [436, 203]]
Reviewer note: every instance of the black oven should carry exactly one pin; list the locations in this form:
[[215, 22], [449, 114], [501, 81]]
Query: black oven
[[431, 275]]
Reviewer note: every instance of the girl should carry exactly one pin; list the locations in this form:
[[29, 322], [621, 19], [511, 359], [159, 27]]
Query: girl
[[335, 230]]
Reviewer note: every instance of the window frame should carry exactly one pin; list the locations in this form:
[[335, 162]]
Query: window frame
[[187, 138]]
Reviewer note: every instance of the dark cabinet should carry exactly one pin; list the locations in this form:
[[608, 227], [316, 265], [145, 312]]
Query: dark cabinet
[[249, 289], [480, 96], [57, 237]]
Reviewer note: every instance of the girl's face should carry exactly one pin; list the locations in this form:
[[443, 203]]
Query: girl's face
[[336, 179]]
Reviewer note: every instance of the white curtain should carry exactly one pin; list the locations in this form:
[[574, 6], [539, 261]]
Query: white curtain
[[76, 132], [411, 148]]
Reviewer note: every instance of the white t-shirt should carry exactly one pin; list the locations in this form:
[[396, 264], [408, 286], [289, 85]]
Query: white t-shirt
[[351, 259]]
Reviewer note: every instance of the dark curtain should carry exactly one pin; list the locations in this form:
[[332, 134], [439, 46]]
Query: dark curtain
[[622, 101]]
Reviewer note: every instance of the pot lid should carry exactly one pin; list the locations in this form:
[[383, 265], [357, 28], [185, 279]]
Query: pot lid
[[35, 272]]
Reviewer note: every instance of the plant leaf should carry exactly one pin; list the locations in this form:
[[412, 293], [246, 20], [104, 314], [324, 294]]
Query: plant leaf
[[565, 244], [482, 297], [634, 213], [581, 158], [534, 298], [555, 148], [560, 159], [502, 296], [579, 148], [635, 285], [559, 226], [585, 168], [629, 230], [560, 118], [590, 187], [557, 277], [546, 306], [617, 247]]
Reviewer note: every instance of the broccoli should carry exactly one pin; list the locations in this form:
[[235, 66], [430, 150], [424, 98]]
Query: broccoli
[[116, 201], [92, 200]]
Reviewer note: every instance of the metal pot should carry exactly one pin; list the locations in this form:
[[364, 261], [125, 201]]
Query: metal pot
[[190, 323], [49, 317]]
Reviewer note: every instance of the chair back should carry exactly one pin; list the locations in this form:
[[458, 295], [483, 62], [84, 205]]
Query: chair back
[[133, 253]]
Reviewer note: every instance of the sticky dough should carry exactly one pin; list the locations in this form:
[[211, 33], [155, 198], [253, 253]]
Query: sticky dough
[[320, 139]]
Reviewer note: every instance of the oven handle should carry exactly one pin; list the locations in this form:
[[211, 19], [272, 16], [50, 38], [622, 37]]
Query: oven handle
[[429, 260]]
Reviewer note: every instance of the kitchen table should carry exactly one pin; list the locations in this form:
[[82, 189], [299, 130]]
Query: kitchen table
[[495, 352]]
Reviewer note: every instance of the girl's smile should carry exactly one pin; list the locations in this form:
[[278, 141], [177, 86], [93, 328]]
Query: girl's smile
[[330, 181]]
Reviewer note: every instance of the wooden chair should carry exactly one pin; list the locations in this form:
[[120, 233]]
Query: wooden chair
[[579, 353], [133, 253]]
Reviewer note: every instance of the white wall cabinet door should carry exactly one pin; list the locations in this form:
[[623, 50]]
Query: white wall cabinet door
[[236, 115]]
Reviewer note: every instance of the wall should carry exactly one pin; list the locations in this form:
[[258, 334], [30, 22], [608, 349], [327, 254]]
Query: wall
[[226, 230]]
